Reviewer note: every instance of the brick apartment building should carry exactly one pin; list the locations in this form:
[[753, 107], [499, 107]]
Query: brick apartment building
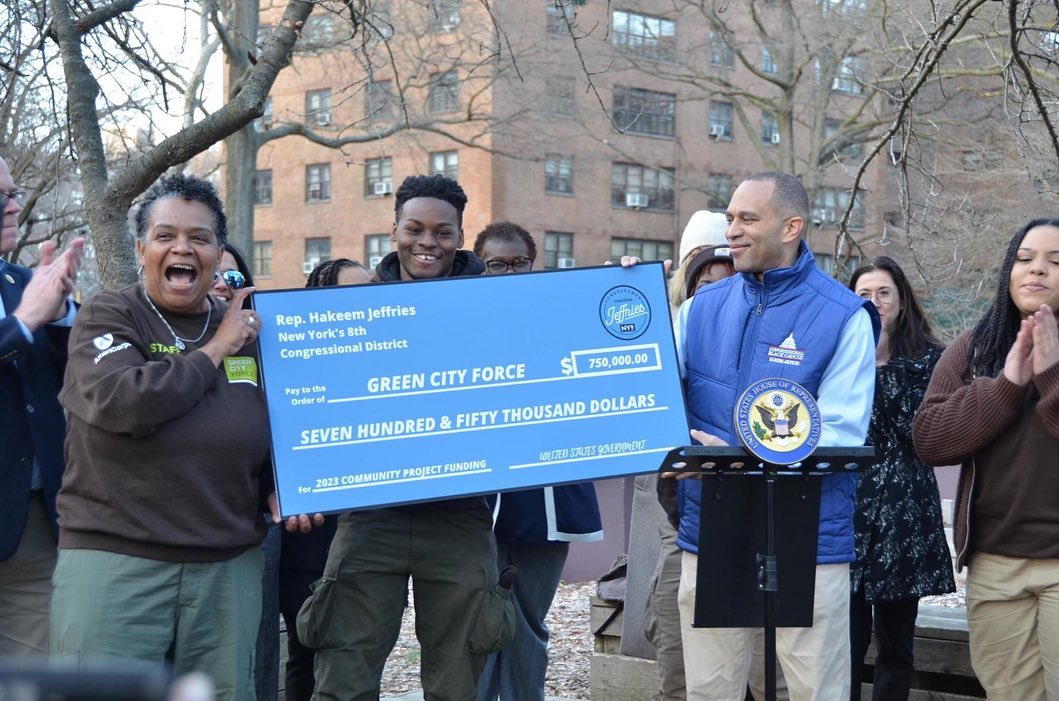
[[600, 147]]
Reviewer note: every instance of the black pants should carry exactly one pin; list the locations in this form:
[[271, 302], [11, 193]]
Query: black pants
[[300, 680], [895, 627]]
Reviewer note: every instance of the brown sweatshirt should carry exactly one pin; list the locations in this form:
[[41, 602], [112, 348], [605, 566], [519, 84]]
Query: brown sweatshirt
[[1007, 441], [167, 456]]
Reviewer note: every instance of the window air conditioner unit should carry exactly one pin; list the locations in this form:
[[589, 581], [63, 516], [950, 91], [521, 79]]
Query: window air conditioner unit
[[565, 263], [635, 199], [323, 119], [775, 138], [373, 261], [308, 266], [716, 131], [383, 187]]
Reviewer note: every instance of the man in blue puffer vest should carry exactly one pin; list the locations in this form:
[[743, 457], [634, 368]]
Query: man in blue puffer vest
[[779, 316]]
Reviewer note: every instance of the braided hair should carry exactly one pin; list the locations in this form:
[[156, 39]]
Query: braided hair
[[911, 336], [326, 274], [995, 332]]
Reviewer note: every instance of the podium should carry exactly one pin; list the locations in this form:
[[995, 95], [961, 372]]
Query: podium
[[759, 576]]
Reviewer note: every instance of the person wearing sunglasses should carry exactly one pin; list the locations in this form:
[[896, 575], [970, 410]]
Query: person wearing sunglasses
[[35, 320], [232, 274]]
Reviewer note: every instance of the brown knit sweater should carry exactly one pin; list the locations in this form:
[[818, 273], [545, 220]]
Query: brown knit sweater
[[1006, 439], [165, 457]]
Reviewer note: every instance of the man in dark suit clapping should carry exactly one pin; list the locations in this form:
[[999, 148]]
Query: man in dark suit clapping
[[35, 320]]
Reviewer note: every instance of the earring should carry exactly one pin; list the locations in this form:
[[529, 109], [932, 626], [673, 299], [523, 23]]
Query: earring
[[139, 273]]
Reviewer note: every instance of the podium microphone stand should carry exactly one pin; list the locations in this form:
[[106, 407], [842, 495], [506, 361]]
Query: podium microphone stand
[[743, 499]]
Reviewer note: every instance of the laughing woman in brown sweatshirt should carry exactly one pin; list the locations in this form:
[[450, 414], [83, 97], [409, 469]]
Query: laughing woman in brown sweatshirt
[[167, 459], [993, 406]]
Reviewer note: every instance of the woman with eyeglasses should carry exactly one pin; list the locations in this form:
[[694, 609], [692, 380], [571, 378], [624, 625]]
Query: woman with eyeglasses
[[167, 459], [902, 554], [533, 527], [992, 407]]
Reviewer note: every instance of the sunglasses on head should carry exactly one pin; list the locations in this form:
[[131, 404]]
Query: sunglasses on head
[[232, 278]]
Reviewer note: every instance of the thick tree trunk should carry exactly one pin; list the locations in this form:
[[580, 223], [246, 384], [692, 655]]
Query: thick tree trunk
[[240, 168], [240, 149], [108, 195]]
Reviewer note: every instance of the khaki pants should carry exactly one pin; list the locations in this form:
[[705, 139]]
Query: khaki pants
[[815, 660], [25, 586], [1013, 620], [107, 606]]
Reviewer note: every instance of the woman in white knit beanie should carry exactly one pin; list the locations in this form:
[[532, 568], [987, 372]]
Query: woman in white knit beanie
[[705, 228]]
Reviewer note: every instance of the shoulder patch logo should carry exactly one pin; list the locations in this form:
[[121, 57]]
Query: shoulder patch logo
[[103, 342]]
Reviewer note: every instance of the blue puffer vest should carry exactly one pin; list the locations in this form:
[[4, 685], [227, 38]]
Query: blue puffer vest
[[738, 332]]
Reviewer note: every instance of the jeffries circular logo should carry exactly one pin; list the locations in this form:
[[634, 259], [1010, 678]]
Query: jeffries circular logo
[[778, 421], [624, 312]]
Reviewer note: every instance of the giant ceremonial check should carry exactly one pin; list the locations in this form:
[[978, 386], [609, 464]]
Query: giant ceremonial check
[[405, 392]]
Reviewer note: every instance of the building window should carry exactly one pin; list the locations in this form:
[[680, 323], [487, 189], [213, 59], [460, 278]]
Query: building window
[[559, 174], [768, 61], [843, 6], [845, 80], [641, 188], [562, 100], [826, 263], [318, 107], [378, 100], [640, 111], [721, 120], [265, 120], [444, 16], [317, 34], [555, 20], [644, 36], [378, 176], [447, 163], [376, 246], [317, 250], [558, 250], [318, 182], [721, 53], [644, 249], [719, 189], [263, 187], [981, 160], [829, 204], [262, 259], [770, 129], [1050, 43], [841, 146], [444, 92]]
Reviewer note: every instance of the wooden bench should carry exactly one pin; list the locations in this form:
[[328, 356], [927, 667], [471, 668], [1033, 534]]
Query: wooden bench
[[943, 663]]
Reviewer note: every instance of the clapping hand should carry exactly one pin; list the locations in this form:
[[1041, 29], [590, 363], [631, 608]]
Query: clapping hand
[[1036, 347], [44, 299]]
